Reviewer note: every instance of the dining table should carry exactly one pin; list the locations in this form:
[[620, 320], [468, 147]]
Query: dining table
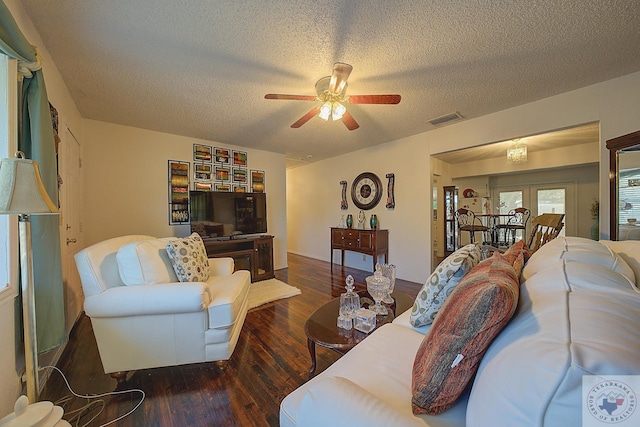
[[493, 222]]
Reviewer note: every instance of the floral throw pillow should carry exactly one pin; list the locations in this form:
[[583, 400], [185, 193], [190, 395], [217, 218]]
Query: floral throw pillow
[[441, 283], [189, 258]]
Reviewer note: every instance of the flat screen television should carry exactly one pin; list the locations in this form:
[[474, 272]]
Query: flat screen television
[[216, 214]]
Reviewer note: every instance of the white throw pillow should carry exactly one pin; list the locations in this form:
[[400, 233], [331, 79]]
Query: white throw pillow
[[145, 263], [441, 283], [189, 258]]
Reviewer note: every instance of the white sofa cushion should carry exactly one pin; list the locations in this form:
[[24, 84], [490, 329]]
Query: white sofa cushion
[[228, 295], [97, 264], [387, 376], [578, 249], [573, 319], [336, 401], [145, 263]]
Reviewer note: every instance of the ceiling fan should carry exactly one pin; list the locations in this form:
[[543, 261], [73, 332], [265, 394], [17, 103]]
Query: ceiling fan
[[331, 91]]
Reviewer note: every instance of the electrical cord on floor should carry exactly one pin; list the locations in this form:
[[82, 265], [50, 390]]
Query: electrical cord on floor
[[75, 416], [79, 413]]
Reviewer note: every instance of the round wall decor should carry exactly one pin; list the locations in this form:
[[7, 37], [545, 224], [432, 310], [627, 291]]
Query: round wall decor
[[366, 190]]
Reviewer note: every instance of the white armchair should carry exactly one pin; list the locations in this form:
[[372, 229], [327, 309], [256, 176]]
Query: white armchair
[[142, 317]]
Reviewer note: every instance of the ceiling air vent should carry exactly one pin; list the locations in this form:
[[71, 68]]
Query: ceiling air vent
[[446, 118]]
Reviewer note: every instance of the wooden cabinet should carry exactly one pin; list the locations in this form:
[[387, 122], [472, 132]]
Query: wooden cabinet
[[450, 225], [369, 242], [249, 253]]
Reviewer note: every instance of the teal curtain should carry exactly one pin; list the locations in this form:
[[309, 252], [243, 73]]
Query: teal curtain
[[36, 141]]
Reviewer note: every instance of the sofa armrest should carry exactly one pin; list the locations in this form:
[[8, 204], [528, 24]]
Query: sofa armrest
[[168, 298], [336, 401], [221, 266]]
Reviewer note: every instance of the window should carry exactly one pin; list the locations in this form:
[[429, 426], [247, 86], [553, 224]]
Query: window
[[509, 200], [8, 146]]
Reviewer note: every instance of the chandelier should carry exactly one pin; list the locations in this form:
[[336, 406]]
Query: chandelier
[[517, 152]]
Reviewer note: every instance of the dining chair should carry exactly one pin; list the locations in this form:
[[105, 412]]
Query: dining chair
[[544, 228], [516, 221], [468, 221]]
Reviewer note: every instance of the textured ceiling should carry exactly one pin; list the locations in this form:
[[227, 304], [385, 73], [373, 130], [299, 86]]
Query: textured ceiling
[[201, 68]]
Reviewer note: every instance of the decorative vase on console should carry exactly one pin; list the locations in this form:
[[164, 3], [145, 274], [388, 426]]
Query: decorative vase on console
[[373, 222], [349, 221]]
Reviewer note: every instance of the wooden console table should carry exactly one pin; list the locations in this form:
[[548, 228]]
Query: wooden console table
[[369, 242], [249, 253]]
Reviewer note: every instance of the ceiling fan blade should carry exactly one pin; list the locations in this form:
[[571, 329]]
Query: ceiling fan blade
[[349, 121], [339, 77], [304, 119], [290, 97], [374, 99]]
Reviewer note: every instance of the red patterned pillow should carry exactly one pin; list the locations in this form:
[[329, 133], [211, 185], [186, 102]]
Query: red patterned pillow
[[517, 255], [475, 312]]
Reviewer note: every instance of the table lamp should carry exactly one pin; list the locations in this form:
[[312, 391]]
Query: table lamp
[[22, 193]]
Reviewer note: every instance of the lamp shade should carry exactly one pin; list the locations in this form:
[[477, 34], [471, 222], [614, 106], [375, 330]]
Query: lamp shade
[[21, 188]]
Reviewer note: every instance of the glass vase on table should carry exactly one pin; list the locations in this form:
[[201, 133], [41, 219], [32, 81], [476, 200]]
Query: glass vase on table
[[378, 286]]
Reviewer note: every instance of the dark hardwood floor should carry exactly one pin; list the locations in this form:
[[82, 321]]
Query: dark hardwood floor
[[270, 360]]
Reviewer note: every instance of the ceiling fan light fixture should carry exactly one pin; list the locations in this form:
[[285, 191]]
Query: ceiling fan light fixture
[[325, 111], [338, 111]]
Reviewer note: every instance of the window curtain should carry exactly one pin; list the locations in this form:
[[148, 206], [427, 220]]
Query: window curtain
[[35, 139]]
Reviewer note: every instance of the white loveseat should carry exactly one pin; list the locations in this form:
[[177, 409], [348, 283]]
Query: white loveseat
[[578, 315], [143, 317]]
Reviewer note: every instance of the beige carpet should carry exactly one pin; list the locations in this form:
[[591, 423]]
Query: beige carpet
[[270, 290]]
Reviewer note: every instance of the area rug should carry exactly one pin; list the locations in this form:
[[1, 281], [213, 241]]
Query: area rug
[[270, 290]]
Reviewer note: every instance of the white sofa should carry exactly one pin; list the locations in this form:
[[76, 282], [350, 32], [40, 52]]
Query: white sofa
[[578, 314], [143, 317]]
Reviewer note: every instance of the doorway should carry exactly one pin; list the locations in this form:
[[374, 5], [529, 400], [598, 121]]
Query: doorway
[[541, 198]]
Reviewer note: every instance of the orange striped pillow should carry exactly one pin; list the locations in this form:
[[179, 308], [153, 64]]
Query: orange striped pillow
[[517, 255], [475, 312]]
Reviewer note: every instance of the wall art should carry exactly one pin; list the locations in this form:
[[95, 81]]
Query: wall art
[[222, 187], [202, 186], [202, 172], [391, 200], [240, 188], [178, 192], [240, 158], [257, 181], [223, 156], [223, 173], [239, 175], [202, 153], [343, 203]]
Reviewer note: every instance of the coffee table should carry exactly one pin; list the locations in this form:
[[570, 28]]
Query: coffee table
[[321, 327]]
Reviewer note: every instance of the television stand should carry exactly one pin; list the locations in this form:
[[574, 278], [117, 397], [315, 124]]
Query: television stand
[[249, 253]]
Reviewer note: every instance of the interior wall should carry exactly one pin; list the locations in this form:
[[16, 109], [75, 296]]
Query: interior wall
[[125, 172], [312, 210], [313, 205], [69, 116]]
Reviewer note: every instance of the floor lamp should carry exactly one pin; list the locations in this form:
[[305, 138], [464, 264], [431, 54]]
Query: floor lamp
[[22, 193]]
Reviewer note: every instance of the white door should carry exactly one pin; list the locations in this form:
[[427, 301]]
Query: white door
[[70, 224], [539, 199], [557, 198]]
